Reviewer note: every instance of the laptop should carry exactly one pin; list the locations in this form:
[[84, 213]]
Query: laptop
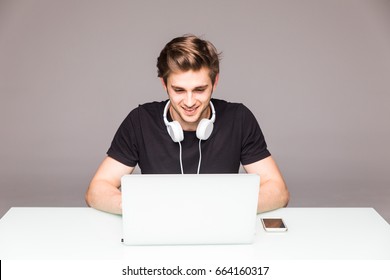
[[178, 209]]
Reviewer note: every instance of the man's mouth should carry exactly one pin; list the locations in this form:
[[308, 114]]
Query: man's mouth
[[190, 111]]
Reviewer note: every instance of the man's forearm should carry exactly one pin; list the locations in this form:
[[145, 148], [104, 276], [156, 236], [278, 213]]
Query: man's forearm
[[103, 196], [272, 195]]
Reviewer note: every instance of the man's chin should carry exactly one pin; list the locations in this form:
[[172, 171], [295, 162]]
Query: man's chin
[[190, 122]]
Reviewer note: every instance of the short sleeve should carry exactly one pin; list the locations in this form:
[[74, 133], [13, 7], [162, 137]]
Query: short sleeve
[[124, 144], [254, 146]]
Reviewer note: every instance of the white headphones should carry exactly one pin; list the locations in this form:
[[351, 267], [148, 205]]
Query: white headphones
[[203, 131]]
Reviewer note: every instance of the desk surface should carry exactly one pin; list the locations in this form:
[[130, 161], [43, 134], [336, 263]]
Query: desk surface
[[85, 233]]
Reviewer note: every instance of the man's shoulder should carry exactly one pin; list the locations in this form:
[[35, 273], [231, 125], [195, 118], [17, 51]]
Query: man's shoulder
[[228, 106], [151, 108], [146, 111], [232, 111], [225, 103]]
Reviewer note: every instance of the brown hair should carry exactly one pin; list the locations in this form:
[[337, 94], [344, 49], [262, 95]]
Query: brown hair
[[188, 53]]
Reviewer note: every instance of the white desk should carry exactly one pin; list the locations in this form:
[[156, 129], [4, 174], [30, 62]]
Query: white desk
[[85, 233]]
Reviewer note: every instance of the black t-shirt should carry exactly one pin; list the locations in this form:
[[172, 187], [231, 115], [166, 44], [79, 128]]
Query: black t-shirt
[[142, 139]]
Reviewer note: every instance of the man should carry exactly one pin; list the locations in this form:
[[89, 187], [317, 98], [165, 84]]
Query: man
[[189, 133]]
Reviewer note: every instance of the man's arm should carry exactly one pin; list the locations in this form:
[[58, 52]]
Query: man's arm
[[273, 190], [103, 192]]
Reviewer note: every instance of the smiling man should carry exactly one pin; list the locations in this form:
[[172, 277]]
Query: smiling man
[[191, 132], [189, 93]]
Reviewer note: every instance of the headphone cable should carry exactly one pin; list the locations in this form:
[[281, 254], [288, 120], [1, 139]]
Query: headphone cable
[[181, 160], [200, 156]]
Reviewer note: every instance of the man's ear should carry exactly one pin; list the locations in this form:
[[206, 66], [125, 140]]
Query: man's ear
[[163, 84], [216, 81]]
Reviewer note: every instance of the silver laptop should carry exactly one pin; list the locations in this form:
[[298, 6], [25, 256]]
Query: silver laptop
[[189, 209]]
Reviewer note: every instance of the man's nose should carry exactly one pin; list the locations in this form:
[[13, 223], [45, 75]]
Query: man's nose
[[189, 101]]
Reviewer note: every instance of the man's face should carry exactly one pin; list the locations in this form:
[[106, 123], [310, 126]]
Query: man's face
[[190, 94]]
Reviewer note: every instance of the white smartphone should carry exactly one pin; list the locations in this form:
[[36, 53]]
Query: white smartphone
[[274, 224]]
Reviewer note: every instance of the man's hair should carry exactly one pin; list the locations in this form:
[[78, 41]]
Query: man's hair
[[188, 53]]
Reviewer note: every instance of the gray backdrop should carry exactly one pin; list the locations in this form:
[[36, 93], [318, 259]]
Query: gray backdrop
[[315, 73]]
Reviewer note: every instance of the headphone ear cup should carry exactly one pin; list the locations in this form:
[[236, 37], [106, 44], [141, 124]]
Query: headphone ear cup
[[175, 131], [204, 129]]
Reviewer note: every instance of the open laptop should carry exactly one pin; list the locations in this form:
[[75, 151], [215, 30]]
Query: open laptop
[[189, 209]]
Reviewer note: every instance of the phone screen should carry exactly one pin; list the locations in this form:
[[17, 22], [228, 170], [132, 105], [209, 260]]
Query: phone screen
[[276, 224]]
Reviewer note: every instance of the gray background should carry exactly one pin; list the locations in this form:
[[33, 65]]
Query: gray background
[[315, 73]]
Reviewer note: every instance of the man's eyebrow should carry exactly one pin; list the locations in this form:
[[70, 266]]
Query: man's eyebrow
[[197, 87], [202, 87]]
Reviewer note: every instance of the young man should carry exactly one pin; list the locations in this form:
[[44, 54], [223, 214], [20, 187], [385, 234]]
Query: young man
[[189, 133]]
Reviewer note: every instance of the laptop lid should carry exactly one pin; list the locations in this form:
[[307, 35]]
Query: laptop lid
[[189, 209]]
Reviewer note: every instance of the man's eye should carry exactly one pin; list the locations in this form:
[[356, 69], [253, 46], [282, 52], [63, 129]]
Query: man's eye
[[200, 90], [179, 90]]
